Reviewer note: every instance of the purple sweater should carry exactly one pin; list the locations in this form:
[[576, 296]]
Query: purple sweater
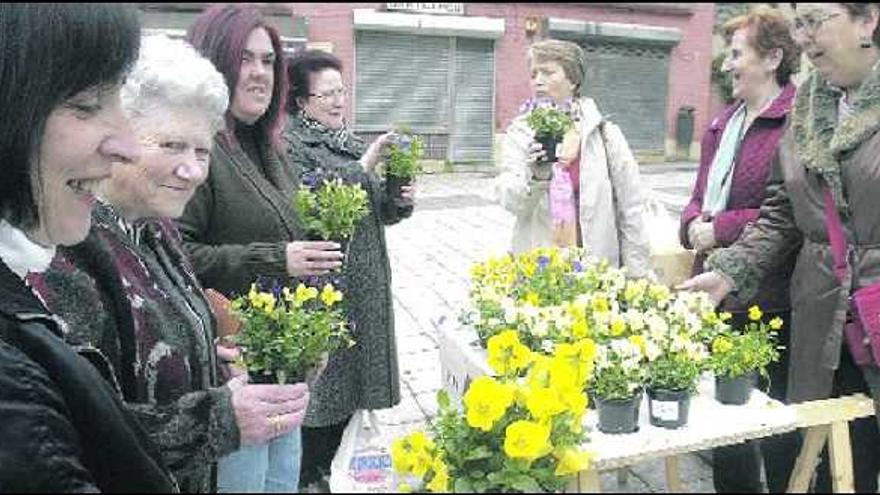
[[751, 170]]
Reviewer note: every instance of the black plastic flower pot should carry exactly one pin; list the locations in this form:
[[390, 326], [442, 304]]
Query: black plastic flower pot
[[270, 378], [619, 415], [549, 144], [735, 391], [668, 408], [393, 184]]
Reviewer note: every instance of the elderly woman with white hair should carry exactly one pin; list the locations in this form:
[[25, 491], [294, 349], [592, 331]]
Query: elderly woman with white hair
[[129, 292], [598, 174]]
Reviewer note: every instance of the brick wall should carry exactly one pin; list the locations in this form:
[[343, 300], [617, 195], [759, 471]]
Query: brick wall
[[690, 61]]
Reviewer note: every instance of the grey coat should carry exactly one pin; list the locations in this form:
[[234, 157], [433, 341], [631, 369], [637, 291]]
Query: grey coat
[[365, 376], [846, 155]]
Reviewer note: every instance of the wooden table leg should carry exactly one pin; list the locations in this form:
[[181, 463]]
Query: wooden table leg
[[588, 482], [840, 455], [805, 465], [622, 476], [673, 480]]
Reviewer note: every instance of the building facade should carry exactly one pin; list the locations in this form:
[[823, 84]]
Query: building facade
[[456, 73]]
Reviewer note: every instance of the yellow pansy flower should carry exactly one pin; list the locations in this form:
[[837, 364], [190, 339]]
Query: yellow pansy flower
[[755, 313], [543, 403], [618, 325], [721, 345], [527, 440], [601, 305], [776, 323], [532, 299], [580, 328], [506, 354], [404, 487], [571, 461], [639, 341], [725, 315], [304, 294], [486, 401], [330, 296]]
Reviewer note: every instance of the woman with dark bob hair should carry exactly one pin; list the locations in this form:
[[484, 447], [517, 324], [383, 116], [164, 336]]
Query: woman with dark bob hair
[[240, 225], [320, 144], [63, 424], [821, 203]]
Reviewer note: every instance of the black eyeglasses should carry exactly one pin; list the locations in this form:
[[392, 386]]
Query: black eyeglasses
[[810, 23], [327, 95]]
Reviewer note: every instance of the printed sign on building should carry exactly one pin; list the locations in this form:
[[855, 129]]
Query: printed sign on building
[[428, 8]]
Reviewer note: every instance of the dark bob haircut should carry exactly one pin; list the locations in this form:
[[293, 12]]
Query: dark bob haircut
[[51, 52], [300, 67], [220, 34]]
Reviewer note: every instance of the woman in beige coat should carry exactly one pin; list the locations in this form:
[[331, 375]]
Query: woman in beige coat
[[608, 199]]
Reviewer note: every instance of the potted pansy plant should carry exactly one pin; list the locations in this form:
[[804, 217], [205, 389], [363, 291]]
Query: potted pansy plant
[[616, 386], [738, 357], [329, 208], [550, 121], [402, 164], [287, 334]]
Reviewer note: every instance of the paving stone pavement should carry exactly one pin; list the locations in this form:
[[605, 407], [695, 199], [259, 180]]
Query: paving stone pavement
[[456, 223]]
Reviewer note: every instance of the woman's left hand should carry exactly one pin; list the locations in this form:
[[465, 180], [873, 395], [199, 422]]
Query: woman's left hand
[[408, 194], [374, 151]]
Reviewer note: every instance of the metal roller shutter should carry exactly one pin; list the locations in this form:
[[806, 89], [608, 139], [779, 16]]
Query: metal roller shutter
[[473, 115], [630, 84], [401, 78]]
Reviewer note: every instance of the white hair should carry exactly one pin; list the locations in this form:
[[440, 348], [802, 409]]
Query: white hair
[[171, 74]]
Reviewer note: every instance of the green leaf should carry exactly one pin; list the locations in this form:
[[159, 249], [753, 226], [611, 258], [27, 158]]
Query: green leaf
[[526, 484]]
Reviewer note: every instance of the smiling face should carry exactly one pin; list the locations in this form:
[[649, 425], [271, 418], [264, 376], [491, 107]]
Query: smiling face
[[256, 78], [749, 71], [328, 103], [832, 44], [548, 80], [176, 148], [83, 137]]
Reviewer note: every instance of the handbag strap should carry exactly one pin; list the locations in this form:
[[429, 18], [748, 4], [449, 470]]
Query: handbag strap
[[836, 236]]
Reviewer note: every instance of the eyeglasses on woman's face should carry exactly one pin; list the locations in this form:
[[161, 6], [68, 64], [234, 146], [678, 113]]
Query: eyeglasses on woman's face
[[810, 23], [329, 95]]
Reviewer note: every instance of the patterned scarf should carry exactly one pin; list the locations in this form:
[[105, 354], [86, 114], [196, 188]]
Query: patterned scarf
[[342, 139]]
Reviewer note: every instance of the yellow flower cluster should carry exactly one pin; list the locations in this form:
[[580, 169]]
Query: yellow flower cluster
[[417, 454], [533, 410]]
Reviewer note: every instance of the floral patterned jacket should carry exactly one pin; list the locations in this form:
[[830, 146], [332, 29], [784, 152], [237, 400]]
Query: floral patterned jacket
[[130, 292]]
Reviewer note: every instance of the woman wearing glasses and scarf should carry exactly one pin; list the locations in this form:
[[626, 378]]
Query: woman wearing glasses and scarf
[[319, 143], [828, 168]]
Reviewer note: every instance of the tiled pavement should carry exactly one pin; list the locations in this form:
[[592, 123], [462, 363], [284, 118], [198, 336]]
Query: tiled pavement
[[455, 224]]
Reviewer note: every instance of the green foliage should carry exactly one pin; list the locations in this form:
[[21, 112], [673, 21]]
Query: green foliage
[[405, 155], [616, 383], [333, 210], [288, 333], [549, 122], [736, 354], [674, 371]]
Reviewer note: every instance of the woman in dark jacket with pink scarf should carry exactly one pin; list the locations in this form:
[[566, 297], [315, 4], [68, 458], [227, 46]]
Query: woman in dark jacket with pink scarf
[[737, 153]]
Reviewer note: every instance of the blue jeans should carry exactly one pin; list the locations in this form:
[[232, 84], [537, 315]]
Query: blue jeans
[[271, 467]]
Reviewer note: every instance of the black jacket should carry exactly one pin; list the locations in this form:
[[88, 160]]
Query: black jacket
[[63, 426]]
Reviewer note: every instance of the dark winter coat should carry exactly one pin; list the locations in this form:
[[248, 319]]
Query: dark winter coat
[[132, 295], [817, 149], [750, 174], [63, 424], [365, 376]]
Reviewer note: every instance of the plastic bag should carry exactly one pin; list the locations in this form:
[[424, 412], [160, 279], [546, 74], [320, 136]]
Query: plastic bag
[[670, 262], [363, 462]]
